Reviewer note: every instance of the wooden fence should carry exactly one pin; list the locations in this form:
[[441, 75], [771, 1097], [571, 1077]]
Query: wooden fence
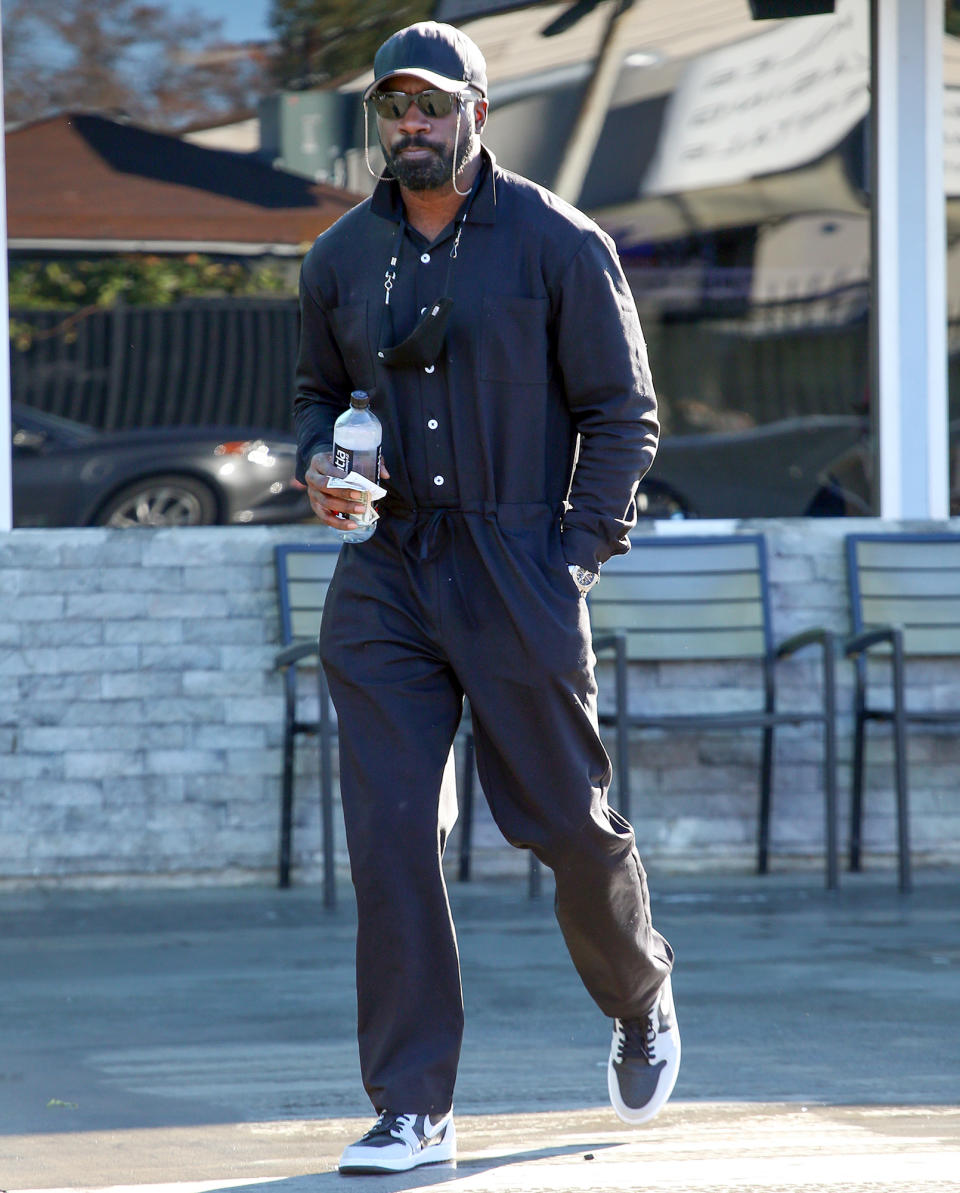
[[195, 362]]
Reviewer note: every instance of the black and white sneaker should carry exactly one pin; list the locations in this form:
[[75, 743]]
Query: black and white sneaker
[[644, 1061], [397, 1142]]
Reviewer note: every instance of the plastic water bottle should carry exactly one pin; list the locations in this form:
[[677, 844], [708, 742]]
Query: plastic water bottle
[[357, 436]]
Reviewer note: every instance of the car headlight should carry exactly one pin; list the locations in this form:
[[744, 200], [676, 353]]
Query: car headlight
[[257, 451]]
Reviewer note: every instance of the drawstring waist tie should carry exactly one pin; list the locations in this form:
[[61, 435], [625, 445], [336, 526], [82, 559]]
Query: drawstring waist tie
[[428, 528]]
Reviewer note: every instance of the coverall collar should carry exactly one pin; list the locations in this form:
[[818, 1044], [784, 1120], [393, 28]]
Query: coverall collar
[[387, 203]]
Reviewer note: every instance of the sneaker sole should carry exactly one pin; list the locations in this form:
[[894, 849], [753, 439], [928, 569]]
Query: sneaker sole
[[399, 1166], [439, 1153]]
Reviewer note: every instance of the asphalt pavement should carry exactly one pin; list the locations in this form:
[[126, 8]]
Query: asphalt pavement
[[180, 1041]]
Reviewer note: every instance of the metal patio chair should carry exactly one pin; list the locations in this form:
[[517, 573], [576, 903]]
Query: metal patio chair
[[904, 602], [304, 572], [700, 598]]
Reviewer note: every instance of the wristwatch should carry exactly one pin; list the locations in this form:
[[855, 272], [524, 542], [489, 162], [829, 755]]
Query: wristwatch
[[583, 579]]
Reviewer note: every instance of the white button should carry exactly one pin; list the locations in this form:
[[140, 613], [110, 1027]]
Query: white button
[[438, 480], [432, 424], [425, 258], [380, 354], [429, 368]]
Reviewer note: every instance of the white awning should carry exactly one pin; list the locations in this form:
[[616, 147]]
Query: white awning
[[766, 105]]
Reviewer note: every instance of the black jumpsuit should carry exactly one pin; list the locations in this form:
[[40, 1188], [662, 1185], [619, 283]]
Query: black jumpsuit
[[517, 453]]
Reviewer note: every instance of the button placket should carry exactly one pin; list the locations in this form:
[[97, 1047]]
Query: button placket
[[435, 448]]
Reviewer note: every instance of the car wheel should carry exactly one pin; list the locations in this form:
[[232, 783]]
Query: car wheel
[[161, 501]]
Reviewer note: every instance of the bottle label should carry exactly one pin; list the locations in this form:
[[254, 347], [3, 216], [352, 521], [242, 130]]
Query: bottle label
[[367, 463]]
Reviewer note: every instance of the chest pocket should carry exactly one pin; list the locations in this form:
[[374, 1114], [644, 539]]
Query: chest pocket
[[349, 325], [514, 342]]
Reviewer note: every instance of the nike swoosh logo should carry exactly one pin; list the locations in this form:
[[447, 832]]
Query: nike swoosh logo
[[437, 1130]]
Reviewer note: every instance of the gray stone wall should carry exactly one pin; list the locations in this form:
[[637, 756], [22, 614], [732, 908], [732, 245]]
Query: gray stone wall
[[140, 719]]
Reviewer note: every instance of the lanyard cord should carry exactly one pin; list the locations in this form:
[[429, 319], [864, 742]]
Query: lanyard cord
[[390, 276]]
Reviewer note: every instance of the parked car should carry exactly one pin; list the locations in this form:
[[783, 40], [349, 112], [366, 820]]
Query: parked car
[[798, 467], [68, 474]]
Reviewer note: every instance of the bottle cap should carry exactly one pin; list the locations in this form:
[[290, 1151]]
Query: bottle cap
[[360, 399]]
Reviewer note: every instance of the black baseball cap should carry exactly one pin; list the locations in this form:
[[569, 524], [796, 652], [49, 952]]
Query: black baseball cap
[[439, 54]]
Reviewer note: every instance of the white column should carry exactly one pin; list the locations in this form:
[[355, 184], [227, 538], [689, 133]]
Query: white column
[[910, 247], [6, 446]]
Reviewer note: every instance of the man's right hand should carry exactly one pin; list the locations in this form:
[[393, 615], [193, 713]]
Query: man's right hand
[[326, 503]]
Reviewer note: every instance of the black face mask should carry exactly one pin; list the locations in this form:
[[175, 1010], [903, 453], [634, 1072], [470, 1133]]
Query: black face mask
[[424, 344]]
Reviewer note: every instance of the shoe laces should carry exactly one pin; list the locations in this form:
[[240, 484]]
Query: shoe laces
[[636, 1039], [390, 1124]]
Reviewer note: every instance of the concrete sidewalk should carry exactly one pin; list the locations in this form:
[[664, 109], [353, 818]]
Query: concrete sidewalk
[[201, 1040]]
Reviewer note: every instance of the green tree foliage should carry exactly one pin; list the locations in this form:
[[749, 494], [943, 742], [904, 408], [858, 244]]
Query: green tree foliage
[[320, 41], [83, 286], [150, 281], [163, 70]]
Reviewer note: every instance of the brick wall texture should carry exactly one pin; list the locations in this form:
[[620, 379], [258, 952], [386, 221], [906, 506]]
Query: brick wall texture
[[140, 719]]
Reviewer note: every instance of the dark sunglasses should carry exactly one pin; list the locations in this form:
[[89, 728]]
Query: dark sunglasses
[[393, 105]]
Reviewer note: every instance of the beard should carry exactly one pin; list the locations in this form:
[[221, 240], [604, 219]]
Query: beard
[[435, 171]]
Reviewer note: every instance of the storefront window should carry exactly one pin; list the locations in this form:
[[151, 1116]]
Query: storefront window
[[156, 226], [731, 169]]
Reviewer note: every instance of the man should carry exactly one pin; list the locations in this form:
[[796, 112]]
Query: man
[[492, 325]]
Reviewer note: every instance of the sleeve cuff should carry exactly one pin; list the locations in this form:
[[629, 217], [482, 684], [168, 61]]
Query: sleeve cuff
[[584, 550]]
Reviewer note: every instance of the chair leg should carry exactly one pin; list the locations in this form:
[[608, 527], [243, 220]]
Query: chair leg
[[830, 760], [900, 763], [286, 793], [326, 792], [466, 811], [766, 782], [856, 791]]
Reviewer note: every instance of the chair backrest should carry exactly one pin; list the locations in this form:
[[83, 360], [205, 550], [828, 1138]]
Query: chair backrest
[[304, 572], [687, 597], [911, 581]]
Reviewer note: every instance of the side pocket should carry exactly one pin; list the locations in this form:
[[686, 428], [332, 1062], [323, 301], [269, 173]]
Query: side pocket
[[561, 565]]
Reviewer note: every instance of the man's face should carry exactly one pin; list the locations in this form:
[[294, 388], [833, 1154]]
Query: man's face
[[419, 149]]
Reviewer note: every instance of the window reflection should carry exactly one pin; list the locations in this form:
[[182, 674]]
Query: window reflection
[[726, 156], [730, 168]]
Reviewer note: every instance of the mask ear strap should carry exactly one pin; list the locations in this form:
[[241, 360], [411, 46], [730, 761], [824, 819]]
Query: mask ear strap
[[456, 146], [384, 177]]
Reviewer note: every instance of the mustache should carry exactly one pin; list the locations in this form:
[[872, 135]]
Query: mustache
[[414, 142]]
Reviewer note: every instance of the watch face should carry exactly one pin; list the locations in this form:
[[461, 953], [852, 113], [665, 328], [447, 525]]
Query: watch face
[[584, 579]]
